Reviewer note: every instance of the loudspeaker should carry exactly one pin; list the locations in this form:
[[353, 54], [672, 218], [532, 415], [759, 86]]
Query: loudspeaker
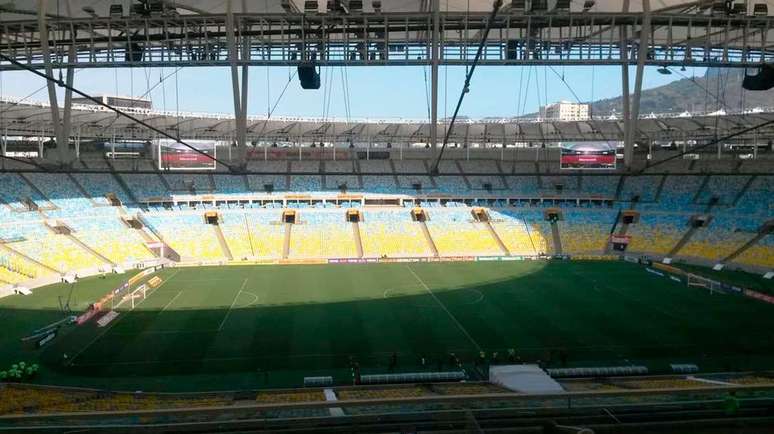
[[763, 81], [512, 50], [699, 222], [308, 76], [134, 53]]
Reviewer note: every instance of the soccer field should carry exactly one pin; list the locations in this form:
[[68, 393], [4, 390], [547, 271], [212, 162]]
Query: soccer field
[[269, 326]]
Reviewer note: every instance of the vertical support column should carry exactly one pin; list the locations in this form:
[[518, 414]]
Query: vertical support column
[[239, 89], [4, 146], [434, 60], [65, 155], [625, 84], [245, 68], [78, 145], [46, 51], [635, 108]]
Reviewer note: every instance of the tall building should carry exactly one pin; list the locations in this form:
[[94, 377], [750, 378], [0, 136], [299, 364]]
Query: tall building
[[565, 111]]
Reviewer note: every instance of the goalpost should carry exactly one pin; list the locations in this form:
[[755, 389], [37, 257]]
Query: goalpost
[[702, 282], [135, 297], [142, 292]]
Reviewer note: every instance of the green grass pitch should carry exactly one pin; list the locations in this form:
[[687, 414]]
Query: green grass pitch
[[269, 326]]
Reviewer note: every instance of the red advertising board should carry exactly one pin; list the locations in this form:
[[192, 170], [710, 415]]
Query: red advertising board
[[593, 155]]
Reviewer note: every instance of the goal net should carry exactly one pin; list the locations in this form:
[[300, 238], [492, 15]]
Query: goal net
[[136, 296], [702, 282]]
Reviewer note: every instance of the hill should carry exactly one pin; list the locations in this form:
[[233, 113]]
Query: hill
[[718, 88]]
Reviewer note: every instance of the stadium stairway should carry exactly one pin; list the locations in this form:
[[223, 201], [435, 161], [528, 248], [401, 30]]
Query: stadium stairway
[[700, 190], [125, 187], [765, 230], [286, 242], [82, 190], [619, 188], [608, 243], [27, 258], [743, 190], [683, 241], [429, 238], [222, 242], [394, 173], [433, 183], [358, 239], [464, 177], [497, 238], [146, 236], [164, 181], [356, 168], [89, 250], [156, 237], [288, 180], [245, 183], [557, 238], [48, 204], [623, 228], [660, 188]]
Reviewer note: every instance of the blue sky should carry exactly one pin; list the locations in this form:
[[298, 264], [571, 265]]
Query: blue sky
[[375, 92]]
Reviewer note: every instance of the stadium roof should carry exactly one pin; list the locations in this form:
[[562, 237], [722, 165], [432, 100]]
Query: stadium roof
[[34, 119], [23, 9], [399, 34]]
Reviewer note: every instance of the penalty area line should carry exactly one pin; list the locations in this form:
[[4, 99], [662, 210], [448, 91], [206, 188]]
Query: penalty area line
[[116, 321], [233, 302], [171, 301]]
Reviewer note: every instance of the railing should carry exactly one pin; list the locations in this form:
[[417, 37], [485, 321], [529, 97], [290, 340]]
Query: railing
[[653, 400], [379, 121]]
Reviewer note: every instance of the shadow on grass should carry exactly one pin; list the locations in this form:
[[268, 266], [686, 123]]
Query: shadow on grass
[[565, 313]]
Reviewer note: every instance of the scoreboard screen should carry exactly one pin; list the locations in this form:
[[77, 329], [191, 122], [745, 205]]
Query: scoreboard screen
[[176, 156], [592, 155]]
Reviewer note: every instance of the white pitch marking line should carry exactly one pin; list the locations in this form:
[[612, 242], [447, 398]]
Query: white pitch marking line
[[222, 323], [116, 321], [172, 301], [427, 288], [479, 299], [255, 300]]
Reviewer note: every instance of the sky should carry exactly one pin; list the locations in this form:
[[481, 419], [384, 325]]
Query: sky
[[373, 92]]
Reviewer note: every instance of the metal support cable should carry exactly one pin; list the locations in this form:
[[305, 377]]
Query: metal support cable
[[466, 86], [561, 77], [706, 145], [62, 84]]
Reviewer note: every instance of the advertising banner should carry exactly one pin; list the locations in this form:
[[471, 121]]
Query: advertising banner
[[588, 155]]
